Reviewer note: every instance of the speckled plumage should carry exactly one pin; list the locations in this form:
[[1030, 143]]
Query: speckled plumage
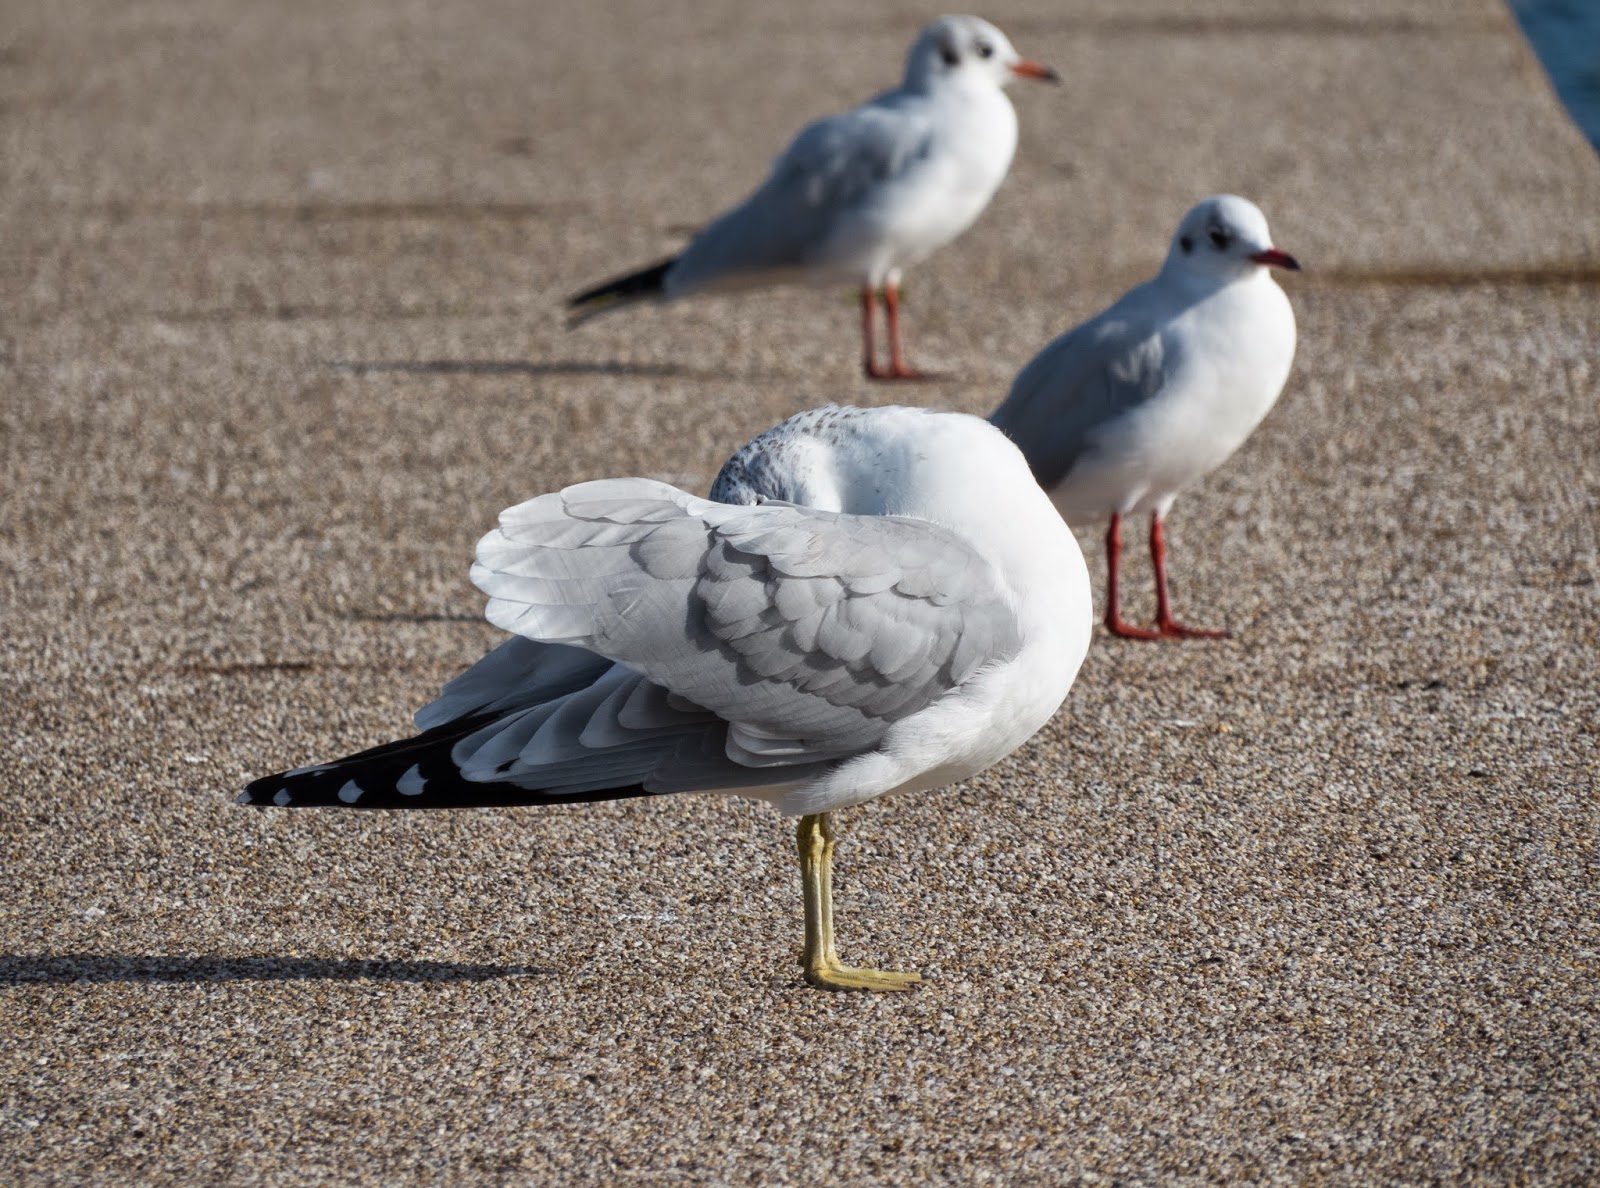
[[789, 461]]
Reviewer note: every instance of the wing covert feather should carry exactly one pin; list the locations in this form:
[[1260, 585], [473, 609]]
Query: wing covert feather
[[1075, 389], [830, 170], [809, 632]]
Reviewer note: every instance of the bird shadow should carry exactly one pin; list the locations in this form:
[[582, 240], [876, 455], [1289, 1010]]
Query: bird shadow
[[24, 969], [409, 617], [513, 367]]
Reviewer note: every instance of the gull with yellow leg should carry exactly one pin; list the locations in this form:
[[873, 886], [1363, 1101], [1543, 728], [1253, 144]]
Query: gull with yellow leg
[[875, 601]]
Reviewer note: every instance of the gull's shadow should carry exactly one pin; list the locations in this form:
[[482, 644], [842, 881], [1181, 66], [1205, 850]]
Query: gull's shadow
[[410, 617], [514, 367], [23, 969]]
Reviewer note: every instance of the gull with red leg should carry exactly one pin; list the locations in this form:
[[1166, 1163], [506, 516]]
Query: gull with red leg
[[1121, 413], [859, 197]]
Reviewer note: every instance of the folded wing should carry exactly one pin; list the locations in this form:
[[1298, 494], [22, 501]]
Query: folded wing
[[809, 633], [833, 170], [669, 644], [1065, 402]]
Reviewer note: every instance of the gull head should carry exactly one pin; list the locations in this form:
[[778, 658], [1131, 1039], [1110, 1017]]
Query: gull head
[[966, 51], [1226, 236]]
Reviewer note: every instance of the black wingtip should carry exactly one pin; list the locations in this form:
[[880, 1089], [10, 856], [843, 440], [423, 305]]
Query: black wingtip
[[621, 290], [410, 773]]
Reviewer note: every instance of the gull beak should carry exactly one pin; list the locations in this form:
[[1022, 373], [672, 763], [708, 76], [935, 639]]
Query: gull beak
[[1026, 69], [1273, 258]]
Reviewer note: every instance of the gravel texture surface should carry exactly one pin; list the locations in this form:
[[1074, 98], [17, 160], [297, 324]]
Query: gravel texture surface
[[279, 336]]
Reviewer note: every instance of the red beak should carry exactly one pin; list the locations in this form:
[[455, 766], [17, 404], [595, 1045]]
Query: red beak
[[1273, 258], [1027, 69]]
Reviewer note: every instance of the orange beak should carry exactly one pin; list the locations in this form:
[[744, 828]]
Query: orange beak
[[1027, 69]]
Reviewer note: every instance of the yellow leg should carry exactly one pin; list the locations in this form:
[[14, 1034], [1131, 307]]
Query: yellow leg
[[823, 968]]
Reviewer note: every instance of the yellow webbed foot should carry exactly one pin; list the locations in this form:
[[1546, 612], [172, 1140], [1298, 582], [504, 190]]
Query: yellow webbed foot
[[833, 976], [819, 958]]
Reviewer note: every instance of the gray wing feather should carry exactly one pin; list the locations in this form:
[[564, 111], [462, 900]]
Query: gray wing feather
[[807, 632], [517, 672], [620, 730], [836, 161], [1063, 402], [831, 168], [632, 732]]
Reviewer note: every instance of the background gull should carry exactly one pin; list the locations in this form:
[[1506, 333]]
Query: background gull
[[858, 197], [903, 632], [1121, 413]]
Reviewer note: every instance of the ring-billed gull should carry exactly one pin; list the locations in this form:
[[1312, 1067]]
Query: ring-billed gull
[[858, 197], [1121, 413], [874, 606]]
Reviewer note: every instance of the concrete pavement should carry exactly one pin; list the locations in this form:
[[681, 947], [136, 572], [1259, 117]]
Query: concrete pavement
[[280, 333]]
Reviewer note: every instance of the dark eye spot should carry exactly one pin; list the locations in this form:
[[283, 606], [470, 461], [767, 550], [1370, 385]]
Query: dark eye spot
[[951, 58], [1219, 239], [1186, 244], [985, 50]]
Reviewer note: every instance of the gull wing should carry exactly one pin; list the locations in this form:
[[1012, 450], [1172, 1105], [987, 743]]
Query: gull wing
[[830, 172], [809, 633], [1066, 402]]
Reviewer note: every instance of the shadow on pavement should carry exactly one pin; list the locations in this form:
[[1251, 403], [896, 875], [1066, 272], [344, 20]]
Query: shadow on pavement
[[409, 617], [511, 367], [67, 968]]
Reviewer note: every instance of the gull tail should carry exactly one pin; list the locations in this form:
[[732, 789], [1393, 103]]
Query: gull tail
[[644, 285], [413, 773]]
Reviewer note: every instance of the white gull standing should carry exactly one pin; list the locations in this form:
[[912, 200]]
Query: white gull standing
[[884, 602], [858, 197], [1121, 413]]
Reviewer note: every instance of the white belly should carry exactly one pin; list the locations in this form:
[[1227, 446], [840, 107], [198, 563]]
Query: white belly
[[933, 203]]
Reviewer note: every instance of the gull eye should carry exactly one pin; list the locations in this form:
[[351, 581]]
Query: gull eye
[[985, 50], [948, 53], [1219, 239]]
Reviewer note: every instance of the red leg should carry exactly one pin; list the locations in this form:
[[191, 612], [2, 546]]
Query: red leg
[[869, 361], [897, 360], [1115, 623], [1165, 624]]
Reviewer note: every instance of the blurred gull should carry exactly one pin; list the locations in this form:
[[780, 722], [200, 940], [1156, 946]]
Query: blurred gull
[[858, 197], [1121, 413], [882, 601]]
